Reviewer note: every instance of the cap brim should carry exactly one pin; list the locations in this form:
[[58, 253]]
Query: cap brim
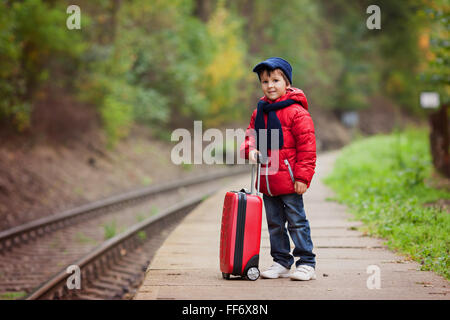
[[263, 64]]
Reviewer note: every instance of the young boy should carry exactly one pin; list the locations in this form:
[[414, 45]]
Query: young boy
[[284, 107]]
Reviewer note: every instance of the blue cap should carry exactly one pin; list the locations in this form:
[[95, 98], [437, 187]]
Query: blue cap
[[273, 63]]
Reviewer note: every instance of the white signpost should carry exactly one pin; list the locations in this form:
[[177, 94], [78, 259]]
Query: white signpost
[[429, 100], [350, 118]]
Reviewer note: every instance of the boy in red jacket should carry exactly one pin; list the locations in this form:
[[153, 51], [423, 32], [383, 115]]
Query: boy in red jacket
[[284, 110]]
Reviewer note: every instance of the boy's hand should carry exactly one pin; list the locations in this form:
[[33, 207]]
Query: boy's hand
[[252, 156], [300, 187]]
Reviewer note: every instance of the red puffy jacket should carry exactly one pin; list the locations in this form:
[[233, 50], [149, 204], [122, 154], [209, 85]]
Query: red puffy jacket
[[297, 157]]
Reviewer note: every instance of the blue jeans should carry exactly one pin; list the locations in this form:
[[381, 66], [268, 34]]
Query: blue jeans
[[289, 208]]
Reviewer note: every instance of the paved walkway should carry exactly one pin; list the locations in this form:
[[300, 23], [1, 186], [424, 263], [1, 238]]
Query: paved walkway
[[187, 265]]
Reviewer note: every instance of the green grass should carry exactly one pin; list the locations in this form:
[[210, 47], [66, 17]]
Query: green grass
[[381, 179], [140, 217], [142, 235], [146, 180], [154, 210], [187, 166], [12, 295], [80, 237], [110, 230]]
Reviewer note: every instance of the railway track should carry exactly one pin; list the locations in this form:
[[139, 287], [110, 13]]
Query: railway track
[[34, 257], [115, 268]]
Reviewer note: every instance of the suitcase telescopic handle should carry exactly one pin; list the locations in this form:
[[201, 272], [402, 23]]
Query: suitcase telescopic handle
[[258, 165]]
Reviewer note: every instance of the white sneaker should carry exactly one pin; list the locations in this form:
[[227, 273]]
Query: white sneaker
[[303, 272], [275, 271]]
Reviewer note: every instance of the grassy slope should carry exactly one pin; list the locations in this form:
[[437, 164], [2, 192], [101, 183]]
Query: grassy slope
[[382, 180]]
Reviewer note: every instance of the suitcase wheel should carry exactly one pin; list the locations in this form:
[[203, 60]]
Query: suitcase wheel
[[226, 276], [252, 273]]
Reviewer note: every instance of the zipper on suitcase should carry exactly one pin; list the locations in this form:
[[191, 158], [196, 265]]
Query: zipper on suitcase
[[240, 229]]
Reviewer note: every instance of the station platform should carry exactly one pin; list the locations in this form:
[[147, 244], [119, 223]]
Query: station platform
[[347, 263]]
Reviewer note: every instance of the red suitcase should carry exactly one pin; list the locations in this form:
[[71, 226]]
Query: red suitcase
[[240, 234]]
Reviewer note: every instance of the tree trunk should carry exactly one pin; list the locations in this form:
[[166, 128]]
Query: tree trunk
[[115, 6], [439, 140], [202, 9]]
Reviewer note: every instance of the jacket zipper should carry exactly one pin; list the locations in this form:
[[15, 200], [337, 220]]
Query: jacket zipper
[[286, 162], [267, 179]]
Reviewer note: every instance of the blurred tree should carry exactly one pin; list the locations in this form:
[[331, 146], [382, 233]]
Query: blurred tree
[[436, 76], [223, 74], [203, 9], [289, 31], [166, 63], [435, 42], [398, 46], [32, 35], [356, 79]]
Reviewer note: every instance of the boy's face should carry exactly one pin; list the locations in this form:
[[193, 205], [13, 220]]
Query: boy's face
[[273, 85]]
